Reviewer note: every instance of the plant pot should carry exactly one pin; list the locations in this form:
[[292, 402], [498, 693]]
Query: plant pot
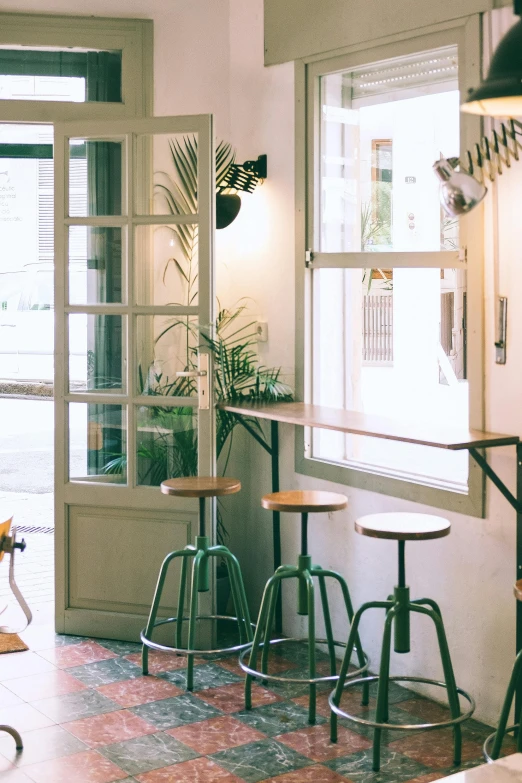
[[222, 593]]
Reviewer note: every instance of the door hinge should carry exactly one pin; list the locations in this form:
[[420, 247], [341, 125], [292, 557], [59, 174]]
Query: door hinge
[[309, 257], [463, 254]]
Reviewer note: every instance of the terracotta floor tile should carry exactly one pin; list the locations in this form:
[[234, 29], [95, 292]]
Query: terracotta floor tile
[[315, 774], [428, 711], [215, 734], [86, 767], [435, 748], [131, 693], [109, 728], [231, 698], [44, 686], [314, 742], [162, 662], [76, 654], [197, 771]]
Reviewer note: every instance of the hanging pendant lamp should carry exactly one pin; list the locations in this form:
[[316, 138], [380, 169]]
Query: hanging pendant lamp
[[500, 94]]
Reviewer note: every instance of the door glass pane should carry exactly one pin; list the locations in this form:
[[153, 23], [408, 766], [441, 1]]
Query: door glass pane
[[166, 443], [382, 128], [97, 443], [166, 264], [173, 186], [96, 353], [167, 345], [51, 75], [95, 178], [95, 265], [392, 343]]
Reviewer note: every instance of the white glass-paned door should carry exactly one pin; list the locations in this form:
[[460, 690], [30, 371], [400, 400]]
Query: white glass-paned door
[[134, 292]]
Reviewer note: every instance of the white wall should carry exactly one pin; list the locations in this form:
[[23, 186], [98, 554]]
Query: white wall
[[472, 571], [209, 57]]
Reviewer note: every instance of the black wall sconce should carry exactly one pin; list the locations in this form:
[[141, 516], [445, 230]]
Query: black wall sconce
[[239, 177]]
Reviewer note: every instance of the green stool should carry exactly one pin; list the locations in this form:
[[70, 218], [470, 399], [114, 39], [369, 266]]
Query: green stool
[[201, 488], [303, 503], [498, 736], [401, 527]]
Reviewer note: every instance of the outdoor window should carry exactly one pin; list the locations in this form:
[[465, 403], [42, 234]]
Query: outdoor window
[[388, 286], [49, 75]]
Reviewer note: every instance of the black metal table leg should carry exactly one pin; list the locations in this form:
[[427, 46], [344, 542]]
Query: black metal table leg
[[276, 520]]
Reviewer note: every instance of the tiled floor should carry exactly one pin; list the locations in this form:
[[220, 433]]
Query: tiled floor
[[87, 715]]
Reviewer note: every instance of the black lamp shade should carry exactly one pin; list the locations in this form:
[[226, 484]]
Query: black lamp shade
[[227, 209], [500, 95]]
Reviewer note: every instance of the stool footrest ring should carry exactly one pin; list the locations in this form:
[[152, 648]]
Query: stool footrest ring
[[186, 651], [276, 678], [489, 740], [403, 726]]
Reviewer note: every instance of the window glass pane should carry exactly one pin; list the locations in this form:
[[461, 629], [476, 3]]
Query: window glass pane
[[167, 345], [97, 443], [95, 178], [96, 353], [173, 190], [95, 265], [382, 128], [50, 75], [167, 444], [392, 343], [166, 264]]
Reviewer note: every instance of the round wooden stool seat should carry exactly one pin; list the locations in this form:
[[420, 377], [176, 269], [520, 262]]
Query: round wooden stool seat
[[304, 501], [401, 526], [518, 590], [200, 486]]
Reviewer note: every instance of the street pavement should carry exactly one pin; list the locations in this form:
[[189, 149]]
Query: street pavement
[[26, 461]]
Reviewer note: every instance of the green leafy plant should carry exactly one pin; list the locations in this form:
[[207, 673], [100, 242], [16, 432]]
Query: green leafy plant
[[167, 437]]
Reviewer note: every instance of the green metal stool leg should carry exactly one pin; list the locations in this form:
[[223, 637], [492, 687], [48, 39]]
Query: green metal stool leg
[[338, 691], [382, 692], [236, 597], [358, 646], [272, 604], [261, 623], [506, 707], [193, 615], [449, 676], [155, 604], [181, 601], [318, 572], [312, 701], [242, 610]]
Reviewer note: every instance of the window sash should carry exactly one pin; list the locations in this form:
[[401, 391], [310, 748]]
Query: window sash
[[466, 33]]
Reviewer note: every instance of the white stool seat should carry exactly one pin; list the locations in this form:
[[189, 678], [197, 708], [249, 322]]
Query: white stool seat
[[403, 526]]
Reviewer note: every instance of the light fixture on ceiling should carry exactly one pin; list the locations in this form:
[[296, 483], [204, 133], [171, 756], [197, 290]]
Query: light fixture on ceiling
[[460, 190], [500, 94], [245, 178]]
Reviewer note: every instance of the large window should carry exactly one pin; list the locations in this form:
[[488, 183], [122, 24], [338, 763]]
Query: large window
[[388, 284]]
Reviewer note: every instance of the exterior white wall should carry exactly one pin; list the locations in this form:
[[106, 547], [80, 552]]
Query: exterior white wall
[[209, 57]]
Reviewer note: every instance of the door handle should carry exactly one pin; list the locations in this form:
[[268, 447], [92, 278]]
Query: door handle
[[203, 385]]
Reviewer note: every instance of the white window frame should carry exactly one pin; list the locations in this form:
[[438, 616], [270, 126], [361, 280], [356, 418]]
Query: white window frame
[[133, 37], [465, 34]]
